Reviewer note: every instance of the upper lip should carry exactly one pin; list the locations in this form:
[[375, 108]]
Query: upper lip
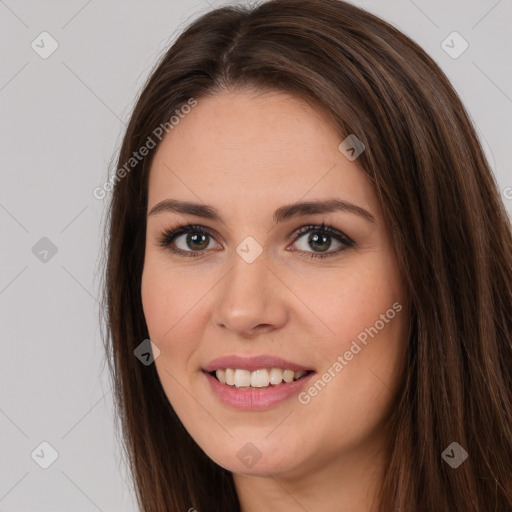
[[252, 363]]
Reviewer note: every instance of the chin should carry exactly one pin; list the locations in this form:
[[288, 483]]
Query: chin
[[259, 457]]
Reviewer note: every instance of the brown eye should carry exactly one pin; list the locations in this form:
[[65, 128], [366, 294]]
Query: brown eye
[[186, 240], [320, 240], [196, 241]]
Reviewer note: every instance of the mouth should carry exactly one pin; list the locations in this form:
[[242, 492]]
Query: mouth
[[242, 395], [262, 378], [255, 382]]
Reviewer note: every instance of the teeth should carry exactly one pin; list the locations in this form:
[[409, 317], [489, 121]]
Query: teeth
[[221, 375], [230, 377], [276, 376], [242, 378], [288, 375], [257, 379], [260, 379]]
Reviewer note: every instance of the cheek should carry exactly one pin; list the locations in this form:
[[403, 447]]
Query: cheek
[[355, 390], [348, 301], [168, 297], [176, 308], [165, 311], [168, 308], [363, 358]]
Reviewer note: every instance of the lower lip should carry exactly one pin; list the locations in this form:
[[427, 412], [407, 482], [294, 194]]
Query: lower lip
[[256, 398]]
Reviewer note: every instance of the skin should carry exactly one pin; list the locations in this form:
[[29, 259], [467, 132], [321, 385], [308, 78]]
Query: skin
[[247, 154]]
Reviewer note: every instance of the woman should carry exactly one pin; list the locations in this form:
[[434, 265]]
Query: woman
[[305, 226]]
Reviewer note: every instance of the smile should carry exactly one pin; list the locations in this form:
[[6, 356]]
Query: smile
[[260, 378], [255, 382], [247, 397]]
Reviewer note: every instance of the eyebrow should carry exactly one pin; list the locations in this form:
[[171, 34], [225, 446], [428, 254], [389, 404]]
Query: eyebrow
[[282, 214]]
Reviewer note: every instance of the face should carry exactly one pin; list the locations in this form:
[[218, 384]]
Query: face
[[279, 326]]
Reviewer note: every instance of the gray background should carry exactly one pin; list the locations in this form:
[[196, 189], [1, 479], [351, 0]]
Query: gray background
[[62, 119]]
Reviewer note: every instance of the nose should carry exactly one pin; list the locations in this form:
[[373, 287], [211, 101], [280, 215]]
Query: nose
[[250, 299]]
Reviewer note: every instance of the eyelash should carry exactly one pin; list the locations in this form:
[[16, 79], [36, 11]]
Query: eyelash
[[167, 236]]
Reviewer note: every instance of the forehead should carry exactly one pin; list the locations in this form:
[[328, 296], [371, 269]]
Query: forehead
[[238, 148]]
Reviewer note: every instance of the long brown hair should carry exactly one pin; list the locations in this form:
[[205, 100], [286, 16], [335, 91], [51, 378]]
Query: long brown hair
[[450, 230]]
